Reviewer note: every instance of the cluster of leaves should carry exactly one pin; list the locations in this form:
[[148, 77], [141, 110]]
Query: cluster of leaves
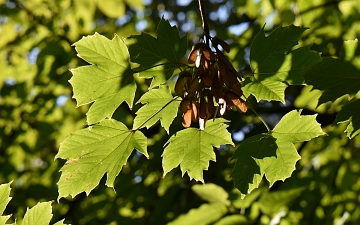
[[33, 120], [103, 148]]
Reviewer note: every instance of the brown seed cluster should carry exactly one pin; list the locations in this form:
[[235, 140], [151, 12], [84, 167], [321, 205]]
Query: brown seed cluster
[[213, 79]]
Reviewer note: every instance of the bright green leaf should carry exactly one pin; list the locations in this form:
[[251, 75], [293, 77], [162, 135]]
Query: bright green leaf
[[350, 112], [61, 222], [266, 89], [112, 8], [90, 153], [211, 193], [160, 105], [296, 128], [205, 214], [284, 163], [40, 214], [192, 148], [253, 156], [336, 77], [348, 52], [165, 50], [238, 202], [4, 200], [108, 81]]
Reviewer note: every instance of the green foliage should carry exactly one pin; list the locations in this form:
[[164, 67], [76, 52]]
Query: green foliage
[[192, 148], [92, 152], [132, 52], [39, 214], [108, 82], [158, 57]]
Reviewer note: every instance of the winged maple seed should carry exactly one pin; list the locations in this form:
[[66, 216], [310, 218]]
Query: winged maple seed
[[212, 78]]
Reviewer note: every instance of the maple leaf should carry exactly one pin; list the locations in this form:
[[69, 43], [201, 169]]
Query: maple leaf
[[158, 57], [272, 155], [160, 105], [192, 148], [108, 81], [91, 153], [275, 65]]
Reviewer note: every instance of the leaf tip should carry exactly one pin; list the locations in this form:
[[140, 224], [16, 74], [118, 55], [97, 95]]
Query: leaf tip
[[326, 134]]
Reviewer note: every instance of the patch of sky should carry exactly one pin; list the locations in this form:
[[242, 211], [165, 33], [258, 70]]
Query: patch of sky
[[123, 20], [239, 29], [32, 56], [61, 100], [147, 2], [270, 19], [10, 5], [10, 81], [183, 2], [247, 55], [141, 25]]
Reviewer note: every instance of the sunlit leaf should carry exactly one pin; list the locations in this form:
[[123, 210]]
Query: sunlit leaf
[[90, 153], [205, 214], [165, 50], [160, 105], [211, 193], [296, 128], [108, 81], [192, 148], [4, 200], [39, 214]]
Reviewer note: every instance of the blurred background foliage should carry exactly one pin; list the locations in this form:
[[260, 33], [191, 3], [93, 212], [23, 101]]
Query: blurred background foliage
[[37, 113]]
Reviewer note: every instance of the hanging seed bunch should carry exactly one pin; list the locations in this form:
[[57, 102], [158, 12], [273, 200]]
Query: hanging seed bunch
[[212, 80]]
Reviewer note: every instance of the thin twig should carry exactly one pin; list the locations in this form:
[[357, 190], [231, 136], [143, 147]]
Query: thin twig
[[261, 119], [205, 25]]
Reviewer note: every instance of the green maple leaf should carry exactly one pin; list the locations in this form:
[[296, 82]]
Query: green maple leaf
[[108, 81], [273, 155], [90, 153], [4, 200], [192, 148], [39, 214], [337, 77], [160, 105], [253, 156], [158, 57], [351, 113], [273, 64]]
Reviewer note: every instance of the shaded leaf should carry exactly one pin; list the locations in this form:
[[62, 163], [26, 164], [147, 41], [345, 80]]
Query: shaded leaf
[[253, 156], [108, 81], [233, 220], [205, 214], [90, 153], [350, 112], [273, 63], [166, 49], [211, 193], [40, 214], [160, 105], [192, 148]]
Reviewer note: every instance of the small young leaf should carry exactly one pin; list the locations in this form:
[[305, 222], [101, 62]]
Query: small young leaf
[[167, 49], [4, 200], [40, 214], [211, 193], [350, 112], [108, 81], [192, 148], [91, 153], [160, 105], [273, 63], [253, 156], [296, 128], [205, 214]]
